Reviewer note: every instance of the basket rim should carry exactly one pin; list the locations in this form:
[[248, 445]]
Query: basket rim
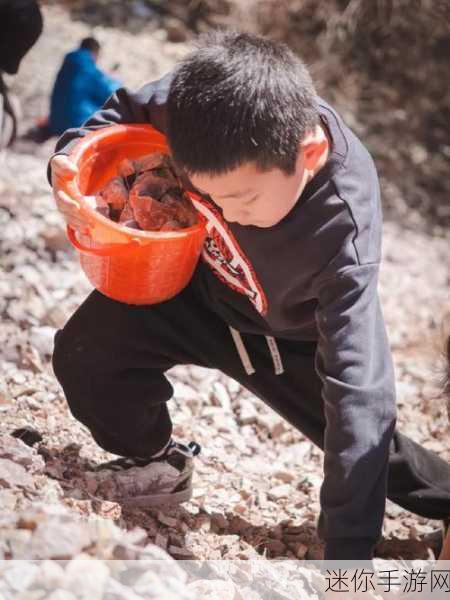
[[91, 139]]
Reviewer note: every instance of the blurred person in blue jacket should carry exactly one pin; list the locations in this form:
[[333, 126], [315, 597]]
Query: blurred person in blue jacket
[[80, 88]]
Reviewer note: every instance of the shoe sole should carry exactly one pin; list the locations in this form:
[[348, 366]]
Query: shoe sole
[[158, 499]]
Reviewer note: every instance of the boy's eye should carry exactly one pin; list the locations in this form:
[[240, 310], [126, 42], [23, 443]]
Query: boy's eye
[[251, 201]]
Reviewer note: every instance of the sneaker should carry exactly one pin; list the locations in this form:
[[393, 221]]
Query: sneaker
[[146, 482]]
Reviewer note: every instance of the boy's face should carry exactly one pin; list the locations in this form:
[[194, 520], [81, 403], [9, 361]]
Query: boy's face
[[251, 197], [263, 198]]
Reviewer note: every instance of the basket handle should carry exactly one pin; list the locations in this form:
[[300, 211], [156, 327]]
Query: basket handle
[[105, 250]]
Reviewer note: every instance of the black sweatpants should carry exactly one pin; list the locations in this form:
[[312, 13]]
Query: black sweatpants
[[110, 359]]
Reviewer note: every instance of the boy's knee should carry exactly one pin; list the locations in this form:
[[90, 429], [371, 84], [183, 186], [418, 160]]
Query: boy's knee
[[67, 359], [73, 370]]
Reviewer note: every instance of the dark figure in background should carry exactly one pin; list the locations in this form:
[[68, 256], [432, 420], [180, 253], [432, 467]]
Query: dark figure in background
[[80, 88], [20, 26]]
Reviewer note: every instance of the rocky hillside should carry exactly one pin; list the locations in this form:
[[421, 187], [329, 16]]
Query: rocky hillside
[[257, 479]]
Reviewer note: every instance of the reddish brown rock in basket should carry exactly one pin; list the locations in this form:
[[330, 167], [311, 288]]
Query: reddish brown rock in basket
[[147, 195]]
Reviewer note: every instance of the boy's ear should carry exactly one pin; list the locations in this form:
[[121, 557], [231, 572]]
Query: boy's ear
[[312, 151]]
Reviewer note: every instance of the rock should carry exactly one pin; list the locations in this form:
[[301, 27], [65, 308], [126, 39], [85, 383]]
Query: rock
[[277, 532], [138, 535], [221, 395], [119, 591], [280, 491], [276, 547], [17, 451], [50, 576], [86, 578], [274, 424], [18, 542], [91, 482], [59, 538], [180, 552], [285, 476], [5, 397], [238, 525], [111, 510], [299, 550], [166, 520], [8, 500], [209, 589], [20, 576], [219, 521], [42, 338], [165, 579], [14, 475], [315, 551], [161, 541], [248, 413], [55, 238]]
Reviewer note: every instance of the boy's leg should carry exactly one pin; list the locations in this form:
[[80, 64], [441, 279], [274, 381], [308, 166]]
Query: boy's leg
[[418, 479], [110, 359]]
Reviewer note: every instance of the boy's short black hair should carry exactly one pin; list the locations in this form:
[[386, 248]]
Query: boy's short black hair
[[91, 44], [239, 98]]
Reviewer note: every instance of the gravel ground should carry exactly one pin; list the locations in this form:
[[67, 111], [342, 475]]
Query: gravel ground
[[257, 479]]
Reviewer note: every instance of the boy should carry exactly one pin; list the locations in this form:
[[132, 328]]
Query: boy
[[284, 301]]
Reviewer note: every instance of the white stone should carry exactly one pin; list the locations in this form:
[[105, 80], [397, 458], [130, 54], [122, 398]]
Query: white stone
[[280, 491], [86, 578], [42, 339], [20, 575]]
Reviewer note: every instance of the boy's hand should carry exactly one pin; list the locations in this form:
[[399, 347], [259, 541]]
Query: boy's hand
[[62, 170]]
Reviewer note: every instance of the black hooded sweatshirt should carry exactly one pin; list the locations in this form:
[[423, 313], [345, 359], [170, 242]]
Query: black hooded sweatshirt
[[312, 276]]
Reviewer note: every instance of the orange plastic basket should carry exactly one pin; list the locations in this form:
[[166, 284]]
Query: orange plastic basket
[[129, 265]]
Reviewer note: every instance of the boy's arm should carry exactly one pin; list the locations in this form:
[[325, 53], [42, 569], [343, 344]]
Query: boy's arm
[[354, 363]]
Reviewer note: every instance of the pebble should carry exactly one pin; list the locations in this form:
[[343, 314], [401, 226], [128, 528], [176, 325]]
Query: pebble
[[238, 525], [274, 424], [220, 392], [167, 520], [58, 539], [280, 491], [20, 576], [14, 475], [161, 540], [219, 521], [86, 578], [42, 338], [248, 413], [51, 575], [276, 547], [285, 476], [180, 552]]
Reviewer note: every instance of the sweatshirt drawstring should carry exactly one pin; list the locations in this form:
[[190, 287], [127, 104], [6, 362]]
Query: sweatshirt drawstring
[[275, 353], [243, 354], [245, 359]]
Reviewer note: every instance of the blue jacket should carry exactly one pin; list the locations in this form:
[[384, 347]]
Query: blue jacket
[[79, 90]]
